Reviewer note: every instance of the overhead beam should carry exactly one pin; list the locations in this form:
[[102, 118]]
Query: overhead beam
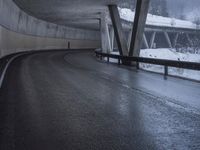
[[142, 7], [118, 30], [150, 28]]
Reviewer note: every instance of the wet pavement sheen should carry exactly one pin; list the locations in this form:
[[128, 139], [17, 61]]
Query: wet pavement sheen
[[71, 101]]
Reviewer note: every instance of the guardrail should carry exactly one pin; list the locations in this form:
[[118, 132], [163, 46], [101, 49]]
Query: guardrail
[[162, 62]]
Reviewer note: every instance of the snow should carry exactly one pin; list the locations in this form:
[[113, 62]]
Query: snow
[[154, 20], [165, 53], [170, 54]]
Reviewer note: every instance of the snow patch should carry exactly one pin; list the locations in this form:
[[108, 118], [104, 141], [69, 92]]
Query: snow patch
[[169, 54]]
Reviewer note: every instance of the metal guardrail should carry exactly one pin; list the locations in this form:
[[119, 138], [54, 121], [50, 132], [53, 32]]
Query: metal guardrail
[[162, 62]]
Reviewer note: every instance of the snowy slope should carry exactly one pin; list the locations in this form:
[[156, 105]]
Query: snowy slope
[[171, 55], [128, 15]]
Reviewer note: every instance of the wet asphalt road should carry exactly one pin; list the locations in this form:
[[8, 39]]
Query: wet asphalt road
[[71, 101]]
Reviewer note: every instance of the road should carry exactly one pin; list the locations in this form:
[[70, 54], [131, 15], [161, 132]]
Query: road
[[71, 101]]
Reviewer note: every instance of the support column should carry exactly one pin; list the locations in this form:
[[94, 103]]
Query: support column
[[118, 30], [105, 40], [112, 38], [1, 41], [175, 40], [152, 39], [145, 41], [129, 38], [189, 40], [138, 27], [168, 39]]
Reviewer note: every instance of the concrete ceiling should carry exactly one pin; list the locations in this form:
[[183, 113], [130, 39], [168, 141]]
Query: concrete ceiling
[[75, 13]]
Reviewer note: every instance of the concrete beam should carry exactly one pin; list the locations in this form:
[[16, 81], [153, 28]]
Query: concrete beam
[[168, 39], [145, 41], [138, 27], [150, 28], [152, 39], [120, 37], [105, 39]]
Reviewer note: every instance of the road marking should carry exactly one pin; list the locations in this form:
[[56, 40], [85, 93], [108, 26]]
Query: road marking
[[6, 67]]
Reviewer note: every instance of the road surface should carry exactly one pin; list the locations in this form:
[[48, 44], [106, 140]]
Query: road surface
[[71, 101]]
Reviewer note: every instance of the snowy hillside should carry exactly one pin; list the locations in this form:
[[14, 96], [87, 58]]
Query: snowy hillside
[[172, 55], [128, 15]]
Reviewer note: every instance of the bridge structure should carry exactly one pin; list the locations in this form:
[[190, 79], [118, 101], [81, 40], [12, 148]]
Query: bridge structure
[[170, 33], [55, 94]]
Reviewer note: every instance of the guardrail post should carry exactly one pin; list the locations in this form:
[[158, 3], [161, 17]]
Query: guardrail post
[[108, 59], [118, 61], [101, 57], [166, 71]]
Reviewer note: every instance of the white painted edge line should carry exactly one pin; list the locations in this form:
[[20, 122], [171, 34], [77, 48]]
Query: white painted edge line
[[6, 67]]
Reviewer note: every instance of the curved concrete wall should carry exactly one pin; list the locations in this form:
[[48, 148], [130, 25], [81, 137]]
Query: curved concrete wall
[[19, 32], [12, 18], [11, 42]]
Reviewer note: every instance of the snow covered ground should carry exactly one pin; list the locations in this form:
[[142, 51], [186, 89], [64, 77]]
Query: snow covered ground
[[171, 54], [154, 20]]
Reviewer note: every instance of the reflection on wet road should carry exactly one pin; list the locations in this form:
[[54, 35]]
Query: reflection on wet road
[[69, 100]]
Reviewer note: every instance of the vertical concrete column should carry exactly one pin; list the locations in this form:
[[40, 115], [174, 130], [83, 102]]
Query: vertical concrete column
[[152, 39], [142, 7], [118, 30], [1, 42], [112, 37], [105, 40], [129, 38], [145, 41], [189, 39], [175, 40], [168, 39]]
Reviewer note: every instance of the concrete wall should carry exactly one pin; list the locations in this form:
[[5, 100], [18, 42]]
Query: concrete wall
[[11, 42], [20, 31]]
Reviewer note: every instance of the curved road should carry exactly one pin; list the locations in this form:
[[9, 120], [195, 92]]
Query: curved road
[[71, 101]]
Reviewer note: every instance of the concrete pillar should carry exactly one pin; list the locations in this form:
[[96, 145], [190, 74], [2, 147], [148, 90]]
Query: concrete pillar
[[145, 41], [175, 40], [118, 30], [105, 40], [112, 38], [152, 39], [168, 39], [189, 39], [142, 7], [108, 37], [129, 38], [0, 42]]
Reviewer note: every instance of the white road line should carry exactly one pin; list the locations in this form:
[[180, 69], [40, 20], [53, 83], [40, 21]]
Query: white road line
[[6, 67]]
